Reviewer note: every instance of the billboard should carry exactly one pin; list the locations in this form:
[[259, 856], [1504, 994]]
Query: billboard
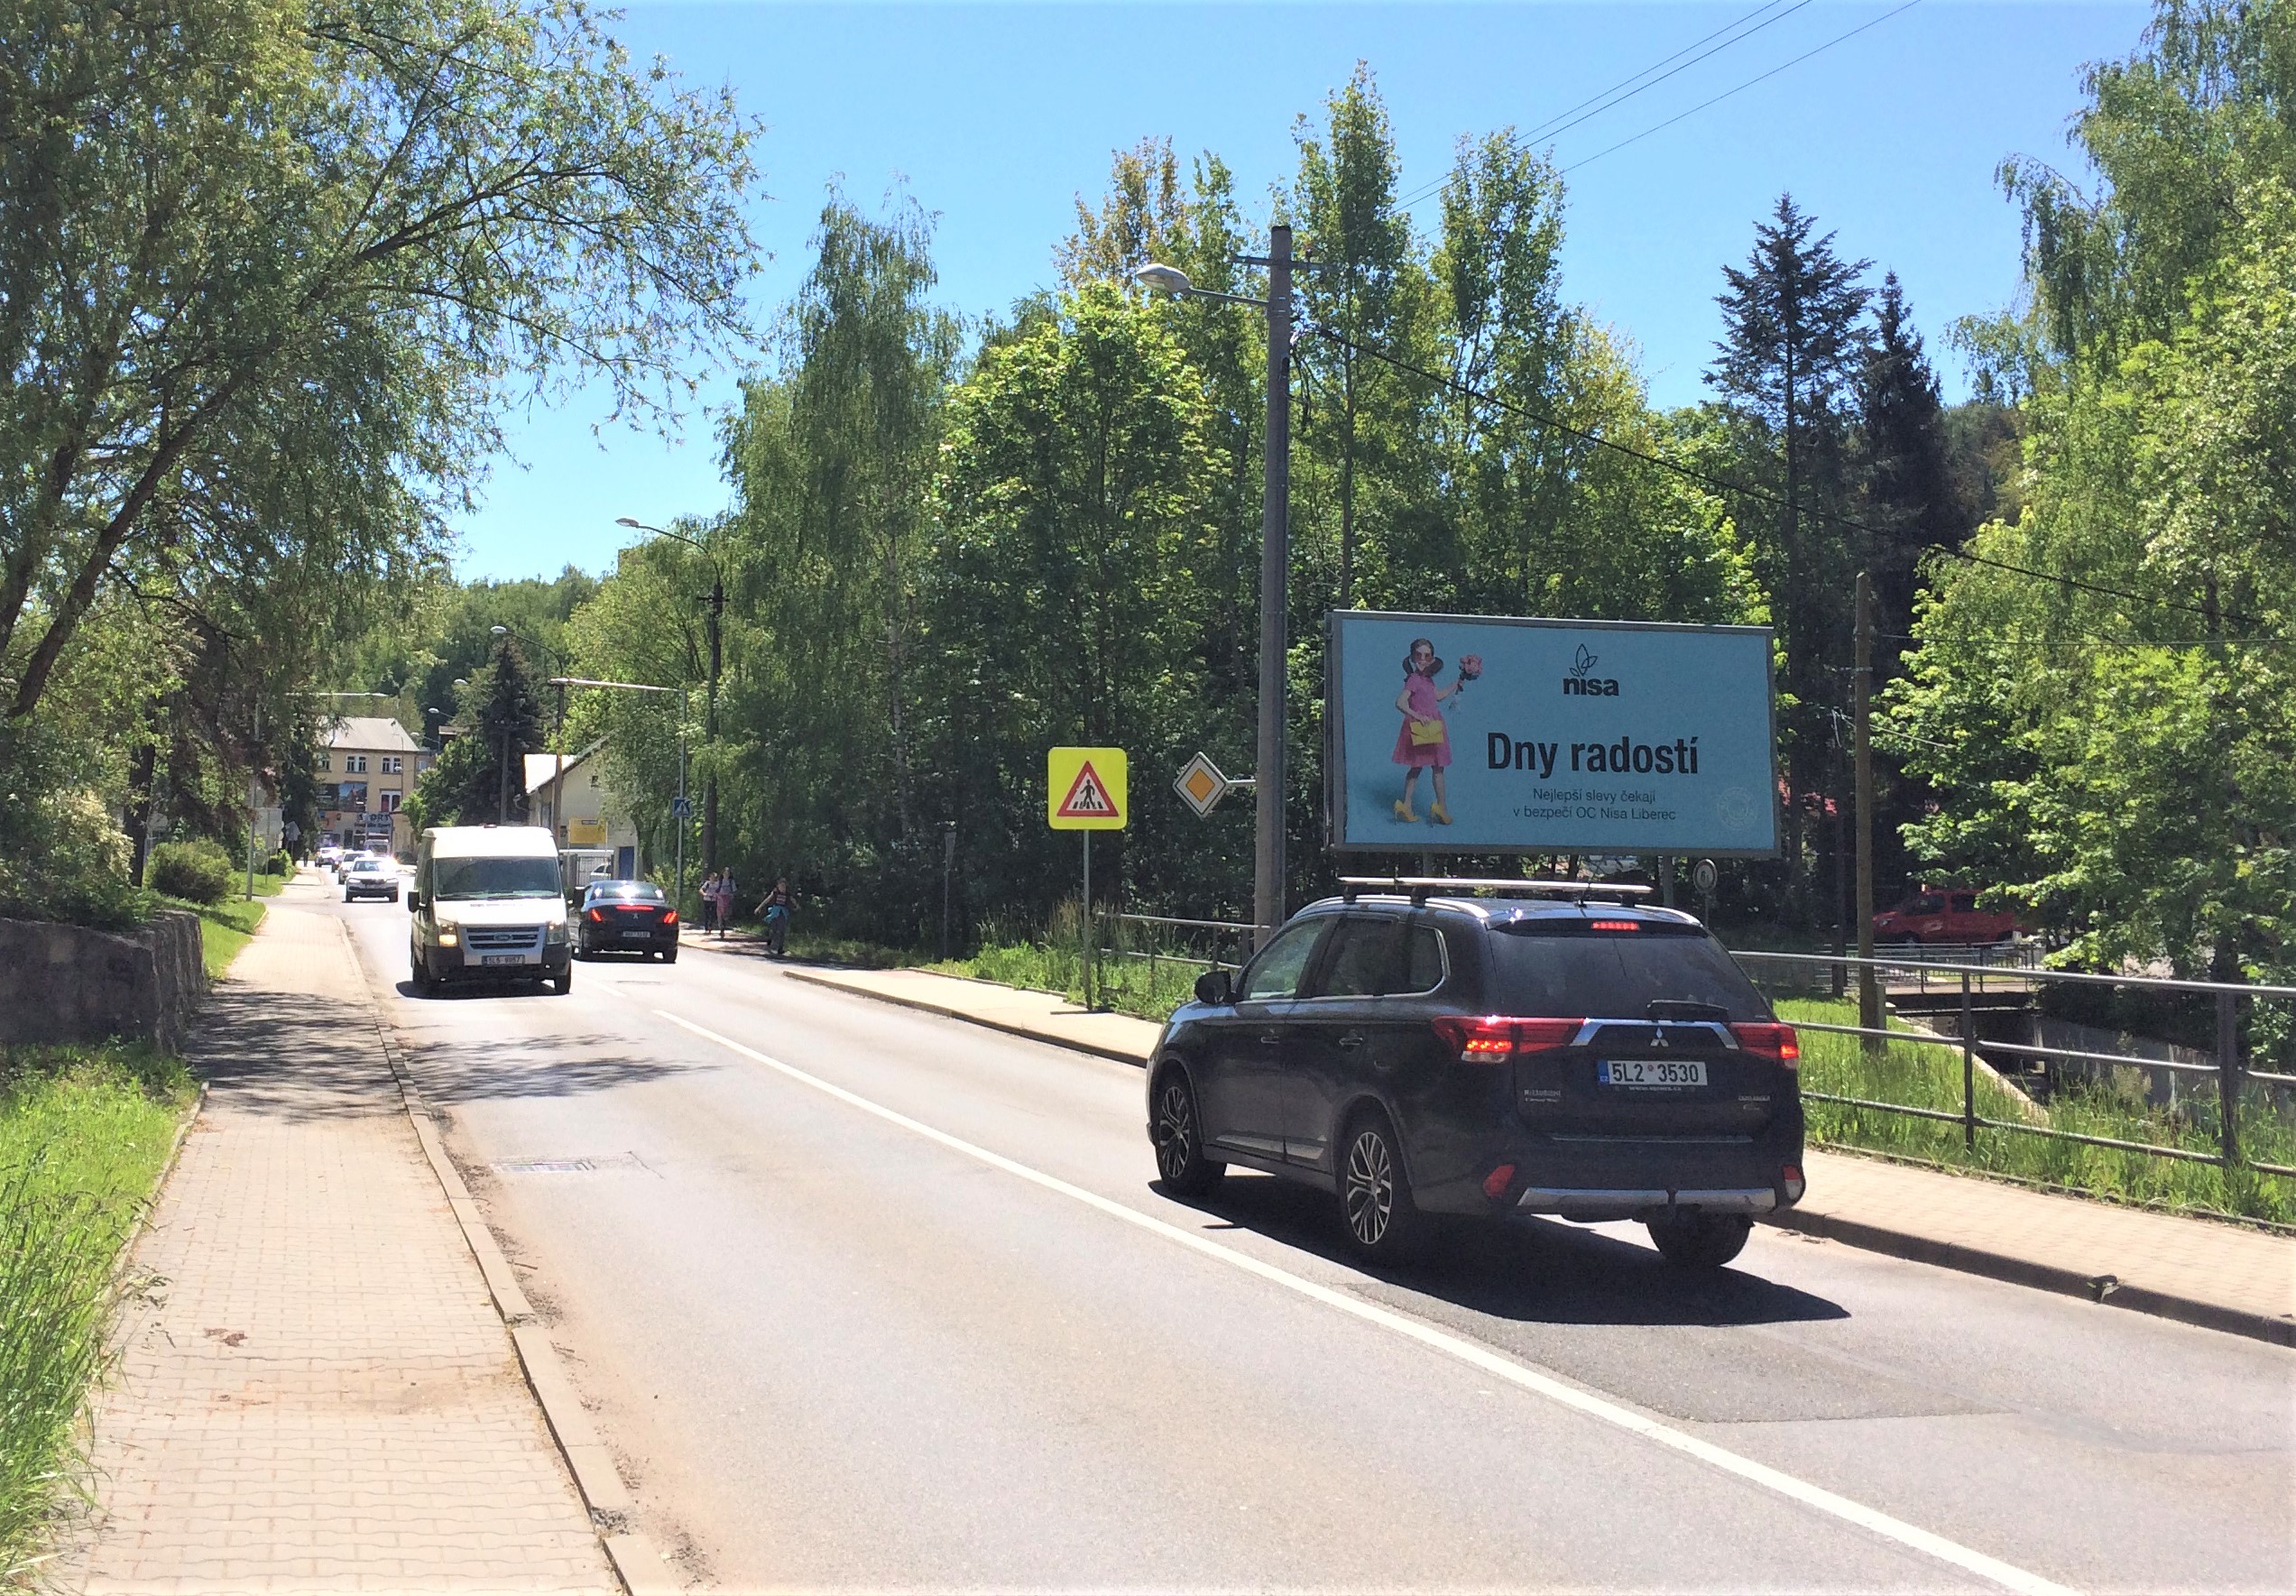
[[1490, 734]]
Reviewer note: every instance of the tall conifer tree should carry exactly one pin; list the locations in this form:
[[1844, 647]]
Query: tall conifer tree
[[1789, 359]]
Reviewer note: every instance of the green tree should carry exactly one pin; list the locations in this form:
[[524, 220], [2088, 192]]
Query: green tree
[[274, 269], [2126, 765], [1785, 368], [1072, 500], [480, 777], [1370, 285]]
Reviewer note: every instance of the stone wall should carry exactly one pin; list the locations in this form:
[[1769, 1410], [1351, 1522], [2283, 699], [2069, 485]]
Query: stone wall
[[69, 983]]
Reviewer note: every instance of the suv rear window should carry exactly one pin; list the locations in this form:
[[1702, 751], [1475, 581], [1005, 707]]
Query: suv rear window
[[1565, 967]]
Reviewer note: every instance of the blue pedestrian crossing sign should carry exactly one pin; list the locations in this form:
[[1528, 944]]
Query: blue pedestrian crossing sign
[[681, 807]]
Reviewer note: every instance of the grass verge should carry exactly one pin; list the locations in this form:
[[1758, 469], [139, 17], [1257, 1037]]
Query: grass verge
[[225, 927], [1927, 1076], [1126, 983], [83, 1134]]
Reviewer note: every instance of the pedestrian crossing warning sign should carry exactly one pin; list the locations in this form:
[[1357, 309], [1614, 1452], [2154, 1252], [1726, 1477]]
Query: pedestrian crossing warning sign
[[1084, 789]]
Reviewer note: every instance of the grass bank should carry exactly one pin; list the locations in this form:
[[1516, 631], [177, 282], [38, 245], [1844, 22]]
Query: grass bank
[[83, 1133], [225, 927], [1926, 1075], [1127, 982]]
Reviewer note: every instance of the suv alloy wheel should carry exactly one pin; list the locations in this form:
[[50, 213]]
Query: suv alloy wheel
[[1180, 1158], [1375, 1197]]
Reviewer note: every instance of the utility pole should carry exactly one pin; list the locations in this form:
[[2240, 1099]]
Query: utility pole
[[558, 779], [1869, 1003], [716, 602], [1275, 558], [1275, 567]]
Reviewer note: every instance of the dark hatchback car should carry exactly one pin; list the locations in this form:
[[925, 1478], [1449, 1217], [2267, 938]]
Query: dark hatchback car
[[1469, 1056], [626, 917]]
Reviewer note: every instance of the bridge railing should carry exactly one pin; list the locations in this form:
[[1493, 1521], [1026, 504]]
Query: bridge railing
[[2260, 1096]]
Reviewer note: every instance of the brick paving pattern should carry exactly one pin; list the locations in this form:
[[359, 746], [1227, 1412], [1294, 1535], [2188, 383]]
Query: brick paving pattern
[[2220, 1270], [317, 1394]]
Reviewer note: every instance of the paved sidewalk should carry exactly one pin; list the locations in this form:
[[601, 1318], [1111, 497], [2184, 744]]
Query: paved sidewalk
[[2196, 1270], [319, 1394]]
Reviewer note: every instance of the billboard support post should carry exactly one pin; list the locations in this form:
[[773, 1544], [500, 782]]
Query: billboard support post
[[1869, 1003]]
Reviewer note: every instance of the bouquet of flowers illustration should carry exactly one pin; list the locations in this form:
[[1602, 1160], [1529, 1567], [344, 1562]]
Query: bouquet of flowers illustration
[[1470, 668]]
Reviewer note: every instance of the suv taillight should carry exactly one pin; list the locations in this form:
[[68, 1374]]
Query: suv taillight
[[1768, 1040], [1494, 1039]]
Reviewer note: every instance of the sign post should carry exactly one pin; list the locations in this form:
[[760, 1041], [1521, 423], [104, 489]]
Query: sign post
[[1085, 791]]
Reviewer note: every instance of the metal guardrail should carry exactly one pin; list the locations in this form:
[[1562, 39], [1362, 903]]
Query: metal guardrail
[[2229, 1068], [1224, 936]]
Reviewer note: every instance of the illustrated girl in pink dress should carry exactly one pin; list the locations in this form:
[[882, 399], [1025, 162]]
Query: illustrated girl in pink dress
[[1424, 743]]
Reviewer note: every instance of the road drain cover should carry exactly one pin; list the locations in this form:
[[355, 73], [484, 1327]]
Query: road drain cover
[[563, 1166]]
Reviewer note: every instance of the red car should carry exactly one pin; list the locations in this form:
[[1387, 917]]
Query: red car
[[1944, 914]]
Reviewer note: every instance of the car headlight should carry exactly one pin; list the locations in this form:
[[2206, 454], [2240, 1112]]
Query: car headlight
[[555, 933], [450, 933]]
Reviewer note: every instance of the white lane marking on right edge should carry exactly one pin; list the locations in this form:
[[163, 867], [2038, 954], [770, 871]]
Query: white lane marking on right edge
[[1871, 1519]]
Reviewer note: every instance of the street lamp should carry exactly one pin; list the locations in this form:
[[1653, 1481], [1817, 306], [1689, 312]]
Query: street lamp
[[1274, 534], [716, 606]]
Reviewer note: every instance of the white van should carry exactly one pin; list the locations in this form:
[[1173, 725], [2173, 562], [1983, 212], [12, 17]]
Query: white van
[[486, 902]]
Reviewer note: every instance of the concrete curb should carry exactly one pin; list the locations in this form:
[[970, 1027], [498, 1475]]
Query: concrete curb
[[636, 1561], [927, 1006], [1869, 1238], [2107, 1290]]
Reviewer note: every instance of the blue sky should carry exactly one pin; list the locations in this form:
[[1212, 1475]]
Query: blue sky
[[998, 116]]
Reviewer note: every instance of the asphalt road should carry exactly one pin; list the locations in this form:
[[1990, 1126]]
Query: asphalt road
[[867, 1297]]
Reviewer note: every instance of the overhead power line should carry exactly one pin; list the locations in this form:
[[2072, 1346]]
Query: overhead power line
[[1740, 88], [1747, 490], [1570, 118]]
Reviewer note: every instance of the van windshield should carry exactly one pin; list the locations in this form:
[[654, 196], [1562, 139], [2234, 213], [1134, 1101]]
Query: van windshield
[[1567, 968], [494, 878]]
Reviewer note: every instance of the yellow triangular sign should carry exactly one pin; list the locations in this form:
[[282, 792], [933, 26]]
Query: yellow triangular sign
[[1087, 797]]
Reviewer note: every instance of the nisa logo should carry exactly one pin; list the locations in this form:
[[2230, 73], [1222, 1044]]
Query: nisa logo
[[1584, 683]]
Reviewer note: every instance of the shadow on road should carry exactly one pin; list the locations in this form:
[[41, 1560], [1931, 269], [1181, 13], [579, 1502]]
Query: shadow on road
[[557, 1064], [1535, 1270]]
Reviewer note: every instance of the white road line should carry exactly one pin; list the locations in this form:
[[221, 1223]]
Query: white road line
[[1869, 1519]]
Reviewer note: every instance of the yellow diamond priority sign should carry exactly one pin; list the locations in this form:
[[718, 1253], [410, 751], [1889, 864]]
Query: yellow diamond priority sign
[[1200, 786], [1084, 789]]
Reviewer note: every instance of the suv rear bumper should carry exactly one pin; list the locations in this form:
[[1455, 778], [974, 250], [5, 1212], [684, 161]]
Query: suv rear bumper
[[1583, 1203]]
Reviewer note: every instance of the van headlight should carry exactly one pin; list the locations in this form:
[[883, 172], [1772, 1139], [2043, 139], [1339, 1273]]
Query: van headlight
[[450, 934], [554, 932]]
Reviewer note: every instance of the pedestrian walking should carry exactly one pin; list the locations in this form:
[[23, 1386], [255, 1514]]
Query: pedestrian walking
[[724, 900], [709, 903], [775, 907]]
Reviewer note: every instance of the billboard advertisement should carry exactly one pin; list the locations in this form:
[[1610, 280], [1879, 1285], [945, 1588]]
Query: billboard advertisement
[[1485, 734]]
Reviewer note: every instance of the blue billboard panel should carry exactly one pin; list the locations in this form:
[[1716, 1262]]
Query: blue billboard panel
[[1484, 734]]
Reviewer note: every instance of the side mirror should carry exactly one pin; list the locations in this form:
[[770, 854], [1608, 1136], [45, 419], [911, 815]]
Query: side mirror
[[414, 901], [1216, 987]]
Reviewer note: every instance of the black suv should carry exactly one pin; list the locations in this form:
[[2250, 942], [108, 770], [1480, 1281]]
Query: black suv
[[1459, 1055]]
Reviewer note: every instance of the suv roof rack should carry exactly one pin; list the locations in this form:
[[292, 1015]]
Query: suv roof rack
[[1421, 886]]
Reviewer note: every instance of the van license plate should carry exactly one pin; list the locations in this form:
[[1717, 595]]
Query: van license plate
[[503, 958], [1650, 1072]]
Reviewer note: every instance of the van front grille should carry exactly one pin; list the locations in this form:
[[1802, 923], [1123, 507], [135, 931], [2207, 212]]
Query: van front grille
[[503, 938]]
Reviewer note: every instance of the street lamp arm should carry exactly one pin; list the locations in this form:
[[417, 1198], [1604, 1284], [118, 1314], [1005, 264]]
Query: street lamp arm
[[1162, 278]]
